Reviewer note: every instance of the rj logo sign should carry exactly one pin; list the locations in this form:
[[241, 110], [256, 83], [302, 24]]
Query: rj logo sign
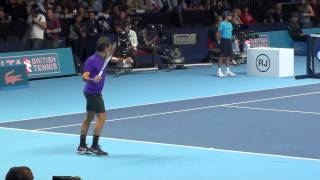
[[263, 63]]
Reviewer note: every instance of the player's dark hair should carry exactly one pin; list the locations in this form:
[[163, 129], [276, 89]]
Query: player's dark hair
[[19, 173], [102, 44]]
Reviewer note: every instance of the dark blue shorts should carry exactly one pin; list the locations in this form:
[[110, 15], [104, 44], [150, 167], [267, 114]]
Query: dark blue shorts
[[226, 47], [95, 103]]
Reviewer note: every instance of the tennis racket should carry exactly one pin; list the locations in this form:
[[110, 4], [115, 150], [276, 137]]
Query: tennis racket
[[108, 59]]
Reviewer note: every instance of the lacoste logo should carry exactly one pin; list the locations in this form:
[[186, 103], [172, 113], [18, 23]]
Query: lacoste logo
[[10, 78]]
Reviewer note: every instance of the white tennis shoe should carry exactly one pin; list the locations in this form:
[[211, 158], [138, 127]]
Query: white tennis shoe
[[229, 73], [220, 74]]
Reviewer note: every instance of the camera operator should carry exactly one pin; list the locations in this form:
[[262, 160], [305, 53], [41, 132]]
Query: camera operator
[[147, 42], [126, 41], [37, 22]]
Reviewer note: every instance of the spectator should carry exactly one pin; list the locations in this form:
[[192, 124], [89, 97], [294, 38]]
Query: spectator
[[122, 17], [66, 14], [105, 20], [278, 15], [133, 5], [38, 24], [115, 11], [166, 6], [145, 5], [213, 40], [195, 5], [4, 18], [246, 17], [268, 17], [90, 9], [236, 20], [295, 30], [207, 4], [71, 3], [53, 30], [57, 11], [92, 33], [181, 5], [212, 6], [132, 37], [157, 5], [315, 6], [306, 13], [48, 4], [218, 7], [18, 11], [19, 173], [121, 3], [82, 12], [32, 3], [97, 5], [227, 6], [177, 12], [77, 36]]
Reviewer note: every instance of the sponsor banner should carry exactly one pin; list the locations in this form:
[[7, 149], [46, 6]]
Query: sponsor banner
[[13, 77], [261, 41], [184, 39], [43, 63]]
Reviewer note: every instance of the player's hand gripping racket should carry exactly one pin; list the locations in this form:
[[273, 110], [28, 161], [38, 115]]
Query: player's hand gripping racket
[[108, 59]]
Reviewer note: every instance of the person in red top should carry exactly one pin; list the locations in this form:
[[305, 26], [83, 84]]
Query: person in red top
[[246, 17], [53, 30]]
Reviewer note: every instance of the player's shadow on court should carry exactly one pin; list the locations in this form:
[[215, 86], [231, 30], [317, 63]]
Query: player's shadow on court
[[61, 149], [134, 159]]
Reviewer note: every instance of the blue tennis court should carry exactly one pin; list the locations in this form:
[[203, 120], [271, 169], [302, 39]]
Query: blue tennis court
[[266, 134]]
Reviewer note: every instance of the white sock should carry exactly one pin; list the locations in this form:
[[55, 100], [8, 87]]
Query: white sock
[[219, 69], [227, 69]]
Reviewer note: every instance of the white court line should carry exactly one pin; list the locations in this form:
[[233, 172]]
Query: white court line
[[173, 145], [163, 102], [188, 110], [275, 110], [40, 117]]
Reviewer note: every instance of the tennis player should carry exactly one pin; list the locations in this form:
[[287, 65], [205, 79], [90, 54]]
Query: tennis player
[[92, 92], [225, 34]]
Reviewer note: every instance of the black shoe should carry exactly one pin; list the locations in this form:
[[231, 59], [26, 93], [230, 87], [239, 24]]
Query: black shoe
[[98, 151], [83, 149]]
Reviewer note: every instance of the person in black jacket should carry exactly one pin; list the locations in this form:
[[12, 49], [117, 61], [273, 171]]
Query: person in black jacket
[[213, 41], [295, 30], [92, 33], [77, 35]]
